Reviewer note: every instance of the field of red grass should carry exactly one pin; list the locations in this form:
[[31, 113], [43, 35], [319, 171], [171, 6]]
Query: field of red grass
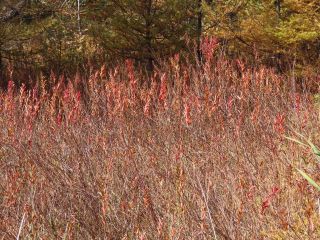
[[190, 153]]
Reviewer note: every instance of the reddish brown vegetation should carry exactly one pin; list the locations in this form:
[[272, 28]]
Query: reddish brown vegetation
[[196, 154]]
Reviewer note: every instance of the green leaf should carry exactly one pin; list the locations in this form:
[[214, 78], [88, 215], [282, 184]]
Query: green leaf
[[315, 150], [297, 141], [309, 179]]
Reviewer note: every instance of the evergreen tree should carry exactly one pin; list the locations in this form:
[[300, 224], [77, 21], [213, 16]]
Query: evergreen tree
[[142, 30], [280, 31]]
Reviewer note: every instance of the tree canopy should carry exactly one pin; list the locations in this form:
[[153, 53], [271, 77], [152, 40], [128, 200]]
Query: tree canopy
[[61, 35]]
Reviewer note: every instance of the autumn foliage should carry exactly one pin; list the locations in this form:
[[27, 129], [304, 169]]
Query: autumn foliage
[[191, 152]]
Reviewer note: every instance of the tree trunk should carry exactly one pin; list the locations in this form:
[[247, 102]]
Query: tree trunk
[[1, 66], [199, 30], [277, 4], [148, 36]]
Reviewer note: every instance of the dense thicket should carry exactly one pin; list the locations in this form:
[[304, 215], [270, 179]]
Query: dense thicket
[[201, 160], [63, 35]]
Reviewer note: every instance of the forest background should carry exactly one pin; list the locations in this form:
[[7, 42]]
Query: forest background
[[38, 37]]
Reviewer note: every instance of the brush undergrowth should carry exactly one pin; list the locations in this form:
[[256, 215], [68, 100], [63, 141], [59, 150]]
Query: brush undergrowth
[[198, 153]]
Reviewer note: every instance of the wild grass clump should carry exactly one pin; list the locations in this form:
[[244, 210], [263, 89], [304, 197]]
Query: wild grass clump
[[188, 153]]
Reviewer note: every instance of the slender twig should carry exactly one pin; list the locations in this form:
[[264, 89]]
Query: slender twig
[[21, 226], [208, 210]]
